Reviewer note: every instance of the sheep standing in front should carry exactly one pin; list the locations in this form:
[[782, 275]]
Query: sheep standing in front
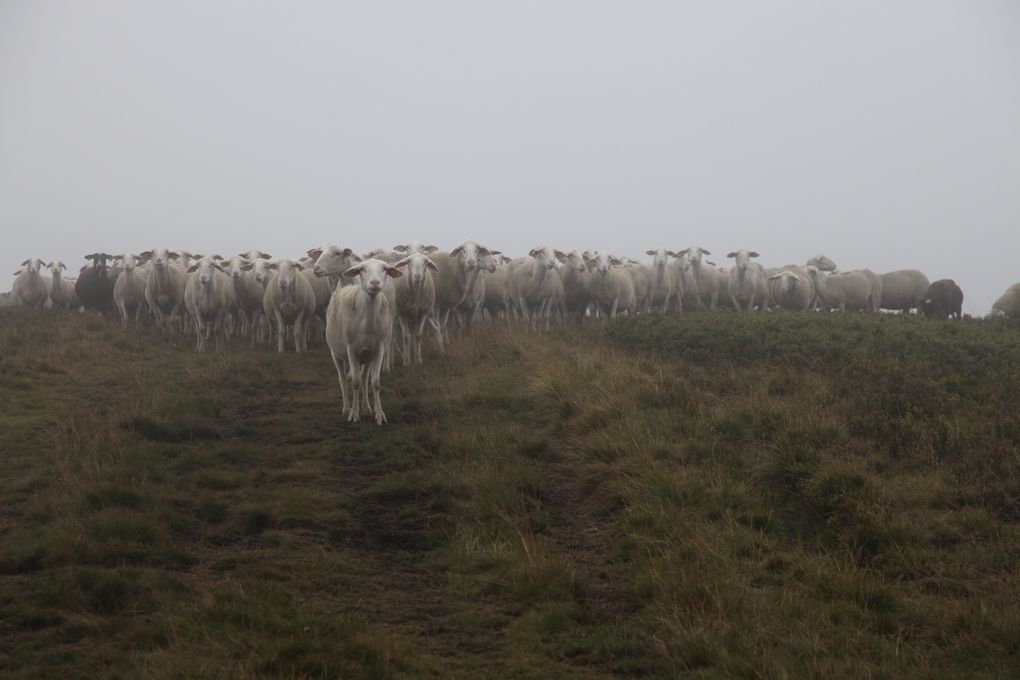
[[208, 296], [707, 280], [289, 302], [943, 299], [576, 282], [663, 280], [129, 289], [415, 296], [359, 328], [29, 289], [746, 284], [903, 290], [248, 294]]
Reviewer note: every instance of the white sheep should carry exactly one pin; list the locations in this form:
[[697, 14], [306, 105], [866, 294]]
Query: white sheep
[[415, 247], [611, 287], [129, 288], [208, 296], [576, 282], [1008, 304], [858, 290], [289, 303], [663, 280], [903, 290], [456, 280], [164, 285], [415, 297], [707, 280], [29, 289], [61, 290], [792, 288], [359, 329], [746, 284], [248, 293], [535, 285], [822, 263]]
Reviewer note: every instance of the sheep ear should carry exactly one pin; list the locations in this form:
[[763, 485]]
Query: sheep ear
[[401, 263], [192, 268], [733, 254], [63, 266], [398, 249], [271, 265], [218, 267], [615, 260], [265, 256], [298, 265], [172, 255], [432, 265], [348, 252], [315, 252], [482, 250], [246, 266], [17, 273], [560, 255], [456, 251], [24, 263], [147, 254], [706, 252], [681, 253], [649, 252], [671, 253], [393, 272], [217, 257], [352, 272], [534, 252], [710, 262], [431, 249], [753, 254], [495, 252]]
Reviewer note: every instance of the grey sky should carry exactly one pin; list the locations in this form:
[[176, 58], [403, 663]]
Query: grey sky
[[883, 133]]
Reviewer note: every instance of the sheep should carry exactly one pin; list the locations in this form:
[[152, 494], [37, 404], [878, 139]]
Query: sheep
[[456, 280], [359, 328], [576, 281], [495, 300], [859, 289], [208, 297], [129, 289], [289, 302], [903, 290], [94, 286], [415, 296], [248, 293], [535, 284], [331, 261], [611, 287], [822, 263], [642, 276], [792, 288], [164, 285], [1008, 304], [255, 254], [29, 289], [663, 280], [61, 291], [706, 278], [943, 299], [747, 281], [685, 295]]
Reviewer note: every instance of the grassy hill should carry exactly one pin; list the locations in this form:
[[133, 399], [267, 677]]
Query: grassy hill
[[719, 495]]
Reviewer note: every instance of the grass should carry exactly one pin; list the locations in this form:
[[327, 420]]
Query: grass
[[718, 495]]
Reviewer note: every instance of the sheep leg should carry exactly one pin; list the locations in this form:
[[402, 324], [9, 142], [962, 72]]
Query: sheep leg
[[281, 335], [355, 377], [345, 406], [365, 384], [405, 340], [374, 369], [419, 332]]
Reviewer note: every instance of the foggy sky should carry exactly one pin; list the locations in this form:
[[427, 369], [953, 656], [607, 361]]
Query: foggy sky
[[884, 134]]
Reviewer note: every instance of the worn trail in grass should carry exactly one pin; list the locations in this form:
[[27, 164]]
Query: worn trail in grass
[[671, 496]]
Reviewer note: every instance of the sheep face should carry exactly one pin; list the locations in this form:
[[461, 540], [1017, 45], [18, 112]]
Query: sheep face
[[127, 261], [55, 267], [160, 257], [236, 266], [206, 268], [743, 258], [488, 263], [660, 257], [575, 261], [545, 256], [823, 263], [286, 272], [468, 254], [261, 271], [416, 265], [32, 265], [332, 260], [603, 262], [255, 254], [373, 274]]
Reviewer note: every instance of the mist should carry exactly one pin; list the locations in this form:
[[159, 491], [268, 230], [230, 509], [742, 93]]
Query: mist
[[885, 135]]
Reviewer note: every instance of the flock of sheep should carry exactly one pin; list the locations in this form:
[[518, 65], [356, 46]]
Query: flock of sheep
[[349, 300]]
